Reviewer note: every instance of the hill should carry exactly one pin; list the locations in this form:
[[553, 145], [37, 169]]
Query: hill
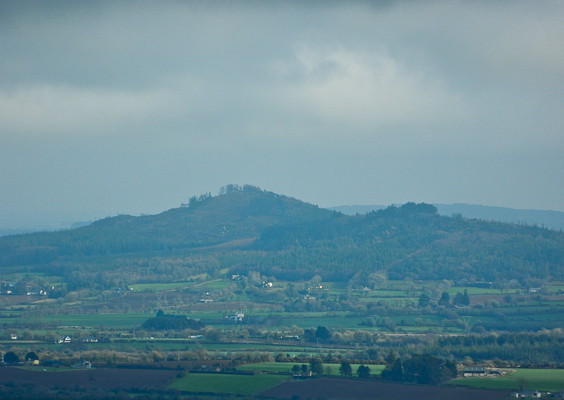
[[245, 230], [237, 214], [545, 218], [415, 241]]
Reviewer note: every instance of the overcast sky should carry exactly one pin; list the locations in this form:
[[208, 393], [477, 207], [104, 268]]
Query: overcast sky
[[133, 107]]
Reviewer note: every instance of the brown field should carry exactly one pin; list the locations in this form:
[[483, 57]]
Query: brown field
[[106, 378], [330, 388]]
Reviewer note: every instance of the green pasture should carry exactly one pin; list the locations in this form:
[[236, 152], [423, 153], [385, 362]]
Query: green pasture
[[280, 367], [229, 384], [158, 287], [252, 347], [330, 322], [537, 317], [163, 287], [535, 379], [208, 315], [555, 288], [9, 320], [214, 285], [478, 291], [385, 293], [89, 320]]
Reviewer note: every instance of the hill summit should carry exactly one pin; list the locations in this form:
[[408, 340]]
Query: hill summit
[[239, 214]]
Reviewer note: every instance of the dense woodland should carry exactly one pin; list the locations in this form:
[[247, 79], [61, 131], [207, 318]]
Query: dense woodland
[[247, 229]]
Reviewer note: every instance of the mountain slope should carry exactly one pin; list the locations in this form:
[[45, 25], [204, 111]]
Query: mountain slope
[[236, 215], [414, 241], [247, 229], [546, 218]]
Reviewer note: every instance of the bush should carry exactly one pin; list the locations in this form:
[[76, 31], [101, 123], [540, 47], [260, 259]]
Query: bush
[[11, 358]]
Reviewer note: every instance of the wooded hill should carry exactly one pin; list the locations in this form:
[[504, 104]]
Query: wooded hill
[[247, 229], [239, 213]]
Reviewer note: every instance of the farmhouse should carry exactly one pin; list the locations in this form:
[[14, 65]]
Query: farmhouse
[[527, 393], [237, 317], [64, 339]]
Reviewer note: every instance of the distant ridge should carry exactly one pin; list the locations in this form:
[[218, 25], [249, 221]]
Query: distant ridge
[[246, 229], [546, 218]]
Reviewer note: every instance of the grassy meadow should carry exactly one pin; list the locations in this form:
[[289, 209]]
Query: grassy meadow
[[551, 380]]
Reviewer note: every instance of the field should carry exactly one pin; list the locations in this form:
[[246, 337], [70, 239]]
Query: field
[[360, 324], [109, 379], [332, 388], [230, 384], [287, 367], [90, 320], [551, 380]]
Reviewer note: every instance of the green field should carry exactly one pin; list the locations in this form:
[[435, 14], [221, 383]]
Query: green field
[[330, 322], [477, 291], [89, 320], [229, 384], [158, 287], [535, 379], [277, 367]]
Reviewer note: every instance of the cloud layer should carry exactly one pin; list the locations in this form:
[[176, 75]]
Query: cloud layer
[[134, 107]]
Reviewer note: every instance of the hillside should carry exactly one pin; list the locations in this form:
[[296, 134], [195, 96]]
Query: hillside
[[247, 229], [237, 214], [546, 218], [415, 241]]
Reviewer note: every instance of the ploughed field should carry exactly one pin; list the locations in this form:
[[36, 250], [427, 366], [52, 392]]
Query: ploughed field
[[332, 388], [104, 378], [226, 383]]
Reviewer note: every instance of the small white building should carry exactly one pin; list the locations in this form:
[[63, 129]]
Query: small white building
[[530, 393], [527, 393], [64, 339], [237, 317]]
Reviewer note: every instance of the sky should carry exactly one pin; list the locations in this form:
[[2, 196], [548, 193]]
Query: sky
[[119, 107]]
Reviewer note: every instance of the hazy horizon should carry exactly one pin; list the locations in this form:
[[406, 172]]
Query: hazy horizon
[[116, 107]]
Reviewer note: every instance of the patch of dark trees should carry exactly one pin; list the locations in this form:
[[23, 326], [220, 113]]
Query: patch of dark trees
[[166, 322], [534, 348], [420, 368]]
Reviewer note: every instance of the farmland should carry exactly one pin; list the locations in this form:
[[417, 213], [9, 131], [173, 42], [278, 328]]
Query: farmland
[[341, 389], [287, 368], [534, 379], [262, 287], [104, 378], [228, 384]]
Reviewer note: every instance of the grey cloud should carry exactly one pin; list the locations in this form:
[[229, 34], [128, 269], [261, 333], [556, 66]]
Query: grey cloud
[[393, 101]]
